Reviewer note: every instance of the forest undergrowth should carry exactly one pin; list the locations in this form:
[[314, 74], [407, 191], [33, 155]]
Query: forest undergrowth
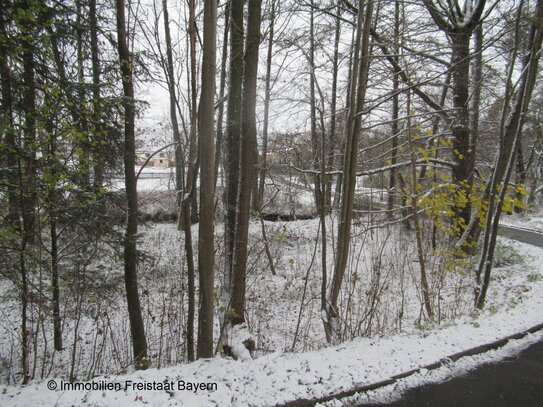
[[381, 296]]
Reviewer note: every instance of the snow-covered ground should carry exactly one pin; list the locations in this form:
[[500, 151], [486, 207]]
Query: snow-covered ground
[[534, 221], [396, 338], [281, 377]]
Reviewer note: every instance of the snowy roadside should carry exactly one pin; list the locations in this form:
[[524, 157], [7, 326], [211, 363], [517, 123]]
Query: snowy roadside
[[282, 377], [393, 392], [533, 221]]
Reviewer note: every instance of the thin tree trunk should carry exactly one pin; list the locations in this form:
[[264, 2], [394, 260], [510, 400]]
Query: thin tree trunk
[[267, 101], [358, 92], [25, 331], [222, 86], [30, 199], [343, 142], [6, 121], [97, 149], [313, 110], [27, 175], [232, 141], [170, 79], [16, 197], [395, 112], [139, 342], [333, 107], [510, 134], [476, 98], [520, 179], [248, 163], [324, 208], [414, 207], [192, 171], [82, 123], [184, 190], [206, 127], [55, 288]]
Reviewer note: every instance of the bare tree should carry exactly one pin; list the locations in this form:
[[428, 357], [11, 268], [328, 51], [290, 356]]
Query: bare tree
[[267, 101], [206, 127], [247, 162], [139, 342], [358, 84], [232, 140], [510, 133], [395, 110], [184, 188]]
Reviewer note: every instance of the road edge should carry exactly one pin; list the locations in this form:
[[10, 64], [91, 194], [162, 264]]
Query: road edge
[[452, 358]]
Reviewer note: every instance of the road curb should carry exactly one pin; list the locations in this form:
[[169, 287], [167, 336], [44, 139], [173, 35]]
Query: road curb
[[452, 358]]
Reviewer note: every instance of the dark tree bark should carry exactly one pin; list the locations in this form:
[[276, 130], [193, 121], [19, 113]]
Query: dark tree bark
[[98, 140], [82, 124], [247, 162], [233, 134], [222, 86], [477, 69], [462, 172], [53, 214], [139, 342], [9, 137], [395, 112], [206, 126], [16, 198], [192, 170], [29, 193], [27, 173], [459, 25]]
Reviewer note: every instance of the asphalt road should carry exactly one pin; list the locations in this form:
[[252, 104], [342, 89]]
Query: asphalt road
[[516, 381], [522, 235]]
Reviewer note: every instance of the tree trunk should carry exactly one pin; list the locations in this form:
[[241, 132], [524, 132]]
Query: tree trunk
[[414, 207], [395, 112], [333, 108], [82, 124], [477, 69], [315, 144], [52, 209], [184, 190], [29, 195], [358, 92], [267, 97], [6, 121], [206, 125], [459, 24], [520, 179], [222, 85], [462, 172], [509, 136], [232, 141], [139, 342], [97, 148], [248, 163], [192, 171]]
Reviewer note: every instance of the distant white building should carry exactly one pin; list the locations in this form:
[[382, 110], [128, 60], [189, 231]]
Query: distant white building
[[163, 159]]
